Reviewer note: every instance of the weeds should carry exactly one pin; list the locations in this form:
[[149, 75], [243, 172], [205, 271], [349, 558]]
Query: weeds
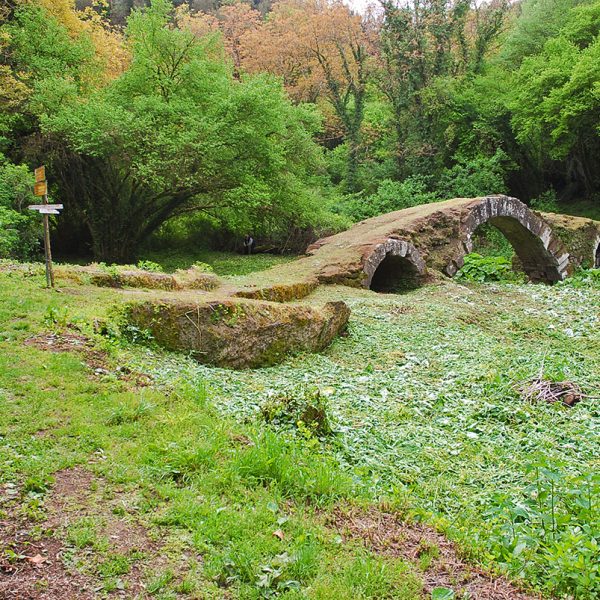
[[584, 278], [557, 521], [148, 265], [305, 408], [480, 269]]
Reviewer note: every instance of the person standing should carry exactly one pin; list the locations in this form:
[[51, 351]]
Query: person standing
[[249, 244]]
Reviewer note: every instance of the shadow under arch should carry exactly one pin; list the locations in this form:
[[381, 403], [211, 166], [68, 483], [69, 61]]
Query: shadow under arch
[[392, 266], [541, 254]]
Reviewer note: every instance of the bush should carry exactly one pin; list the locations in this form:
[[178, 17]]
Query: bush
[[390, 196], [19, 228], [10, 222], [148, 265], [546, 202], [479, 176], [487, 268]]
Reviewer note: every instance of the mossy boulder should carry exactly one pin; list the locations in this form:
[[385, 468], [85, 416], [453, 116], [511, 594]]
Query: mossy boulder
[[238, 333]]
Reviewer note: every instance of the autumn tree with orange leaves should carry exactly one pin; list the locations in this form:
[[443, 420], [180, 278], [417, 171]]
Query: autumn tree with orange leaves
[[320, 50]]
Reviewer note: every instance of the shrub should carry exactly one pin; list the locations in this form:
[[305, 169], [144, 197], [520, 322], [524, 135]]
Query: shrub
[[390, 196], [10, 223], [19, 228], [148, 265], [487, 268], [473, 177], [546, 202]]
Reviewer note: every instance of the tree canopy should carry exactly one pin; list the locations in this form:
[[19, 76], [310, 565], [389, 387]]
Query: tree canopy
[[293, 115]]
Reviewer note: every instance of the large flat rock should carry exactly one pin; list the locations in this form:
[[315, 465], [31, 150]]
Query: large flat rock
[[236, 333]]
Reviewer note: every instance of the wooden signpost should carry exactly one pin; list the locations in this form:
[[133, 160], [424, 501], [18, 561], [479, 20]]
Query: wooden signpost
[[40, 188]]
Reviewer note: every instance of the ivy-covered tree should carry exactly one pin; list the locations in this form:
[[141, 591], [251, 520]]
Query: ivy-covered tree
[[422, 41]]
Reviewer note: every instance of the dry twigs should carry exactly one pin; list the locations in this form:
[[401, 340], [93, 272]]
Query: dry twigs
[[544, 390]]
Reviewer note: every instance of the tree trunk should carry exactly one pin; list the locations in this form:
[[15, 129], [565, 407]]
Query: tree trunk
[[353, 160], [110, 246]]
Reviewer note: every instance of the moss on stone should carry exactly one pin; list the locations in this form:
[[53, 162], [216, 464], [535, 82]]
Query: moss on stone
[[579, 235], [238, 333], [282, 292]]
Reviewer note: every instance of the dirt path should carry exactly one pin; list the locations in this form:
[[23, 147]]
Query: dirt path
[[441, 566]]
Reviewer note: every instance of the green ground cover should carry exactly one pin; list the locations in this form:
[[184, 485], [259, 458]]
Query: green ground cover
[[201, 482], [223, 263], [423, 396], [425, 416]]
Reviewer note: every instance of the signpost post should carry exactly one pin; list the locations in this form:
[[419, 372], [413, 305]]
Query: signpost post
[[40, 188]]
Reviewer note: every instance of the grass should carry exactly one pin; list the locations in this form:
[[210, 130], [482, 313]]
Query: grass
[[211, 486], [422, 400], [423, 396], [223, 263]]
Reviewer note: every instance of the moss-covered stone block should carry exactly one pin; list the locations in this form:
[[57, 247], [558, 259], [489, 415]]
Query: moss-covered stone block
[[580, 236], [282, 292], [238, 333]]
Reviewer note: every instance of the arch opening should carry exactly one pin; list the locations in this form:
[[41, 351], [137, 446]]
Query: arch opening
[[541, 254], [395, 274], [597, 257], [501, 260], [532, 254], [393, 266]]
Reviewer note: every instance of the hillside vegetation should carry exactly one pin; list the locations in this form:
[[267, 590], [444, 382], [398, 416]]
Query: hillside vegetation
[[195, 123]]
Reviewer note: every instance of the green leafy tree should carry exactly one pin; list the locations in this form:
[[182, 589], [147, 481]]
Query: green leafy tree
[[420, 42], [535, 22], [390, 196], [556, 100], [476, 177], [176, 133]]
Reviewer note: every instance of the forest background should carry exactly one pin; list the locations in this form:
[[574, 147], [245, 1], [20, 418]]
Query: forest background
[[192, 123]]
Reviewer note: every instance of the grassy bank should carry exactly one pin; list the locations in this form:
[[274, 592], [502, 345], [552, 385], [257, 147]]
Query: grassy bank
[[103, 440]]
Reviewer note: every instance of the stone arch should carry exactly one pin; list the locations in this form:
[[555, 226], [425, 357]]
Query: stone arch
[[391, 262], [542, 254], [596, 255]]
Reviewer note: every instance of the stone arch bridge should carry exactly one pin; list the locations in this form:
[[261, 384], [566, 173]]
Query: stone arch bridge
[[247, 322], [408, 243]]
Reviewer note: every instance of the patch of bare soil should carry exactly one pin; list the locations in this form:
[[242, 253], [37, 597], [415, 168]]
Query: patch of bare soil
[[96, 359], [31, 565], [70, 342], [386, 534], [37, 561]]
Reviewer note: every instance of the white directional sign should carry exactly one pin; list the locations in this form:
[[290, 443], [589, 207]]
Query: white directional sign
[[46, 209]]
